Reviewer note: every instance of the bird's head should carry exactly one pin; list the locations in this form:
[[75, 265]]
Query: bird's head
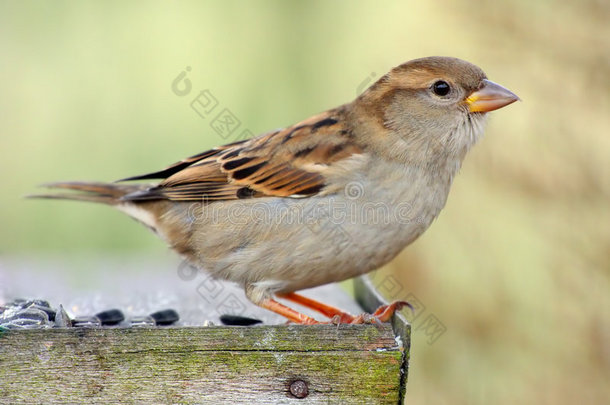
[[435, 106]]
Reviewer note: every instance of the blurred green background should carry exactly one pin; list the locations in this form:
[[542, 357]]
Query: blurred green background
[[517, 267]]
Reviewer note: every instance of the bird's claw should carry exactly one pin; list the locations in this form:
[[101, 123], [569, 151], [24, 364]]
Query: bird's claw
[[382, 314]]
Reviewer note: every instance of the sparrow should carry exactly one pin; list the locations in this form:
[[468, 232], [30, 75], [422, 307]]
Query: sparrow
[[330, 198]]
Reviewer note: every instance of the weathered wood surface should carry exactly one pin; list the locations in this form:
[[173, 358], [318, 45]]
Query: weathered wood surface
[[369, 298], [359, 364]]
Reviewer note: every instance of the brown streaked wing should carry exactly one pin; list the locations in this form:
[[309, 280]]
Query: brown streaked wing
[[183, 164], [286, 163]]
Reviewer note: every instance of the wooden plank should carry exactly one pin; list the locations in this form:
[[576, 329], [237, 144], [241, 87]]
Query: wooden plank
[[370, 299], [339, 364]]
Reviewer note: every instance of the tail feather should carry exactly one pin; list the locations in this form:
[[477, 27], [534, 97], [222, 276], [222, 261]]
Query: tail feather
[[105, 193]]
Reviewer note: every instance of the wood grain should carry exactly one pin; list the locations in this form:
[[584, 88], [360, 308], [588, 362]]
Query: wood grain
[[339, 364]]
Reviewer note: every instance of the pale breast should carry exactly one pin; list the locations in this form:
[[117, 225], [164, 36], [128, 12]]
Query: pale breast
[[301, 243]]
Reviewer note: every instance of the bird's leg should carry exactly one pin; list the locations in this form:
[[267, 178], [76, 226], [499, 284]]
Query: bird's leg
[[329, 311], [382, 314], [287, 312], [260, 296]]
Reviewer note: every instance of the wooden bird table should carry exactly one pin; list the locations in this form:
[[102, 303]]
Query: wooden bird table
[[267, 364]]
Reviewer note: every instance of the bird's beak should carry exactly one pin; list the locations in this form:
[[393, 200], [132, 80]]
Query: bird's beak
[[490, 97]]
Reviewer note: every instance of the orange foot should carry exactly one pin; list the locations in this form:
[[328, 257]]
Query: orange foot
[[382, 314]]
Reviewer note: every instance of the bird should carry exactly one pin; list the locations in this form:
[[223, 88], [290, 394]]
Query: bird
[[327, 199]]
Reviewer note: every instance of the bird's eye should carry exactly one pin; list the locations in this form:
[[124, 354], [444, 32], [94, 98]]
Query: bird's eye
[[441, 88]]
